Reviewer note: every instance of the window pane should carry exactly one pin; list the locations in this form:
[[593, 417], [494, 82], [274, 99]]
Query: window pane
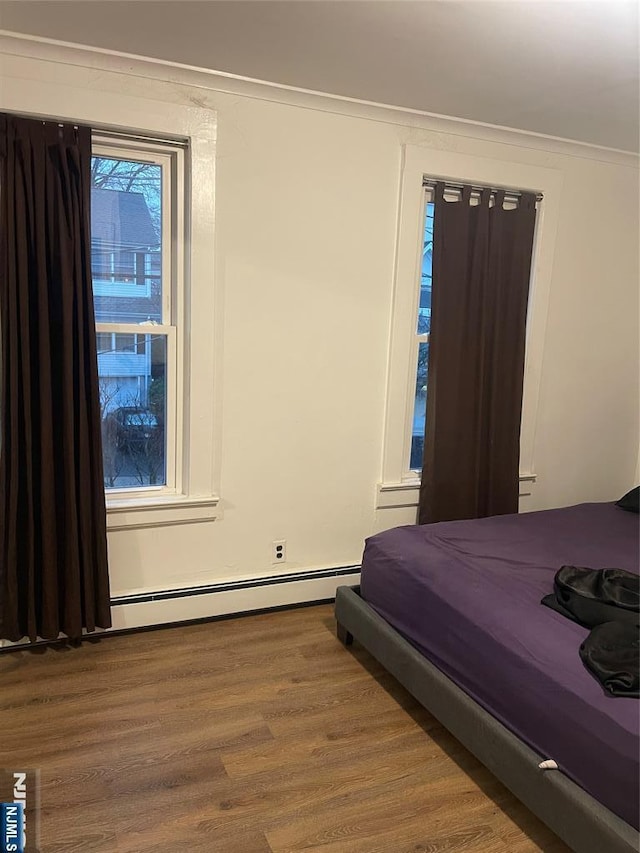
[[104, 342], [424, 308], [419, 408], [126, 231], [133, 407], [125, 343]]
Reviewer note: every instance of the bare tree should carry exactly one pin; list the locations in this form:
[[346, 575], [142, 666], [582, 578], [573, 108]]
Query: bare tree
[[112, 460], [147, 458], [147, 451]]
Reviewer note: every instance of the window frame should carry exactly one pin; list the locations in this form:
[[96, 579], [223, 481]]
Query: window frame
[[170, 157], [399, 486], [409, 474]]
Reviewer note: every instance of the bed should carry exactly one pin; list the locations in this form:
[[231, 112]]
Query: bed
[[453, 611]]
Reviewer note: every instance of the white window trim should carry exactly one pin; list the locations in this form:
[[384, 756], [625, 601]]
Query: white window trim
[[60, 92], [398, 487], [407, 494]]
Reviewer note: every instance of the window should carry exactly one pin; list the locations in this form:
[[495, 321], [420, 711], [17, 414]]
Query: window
[[421, 343], [136, 282], [407, 386], [125, 343], [104, 343], [162, 128], [420, 366]]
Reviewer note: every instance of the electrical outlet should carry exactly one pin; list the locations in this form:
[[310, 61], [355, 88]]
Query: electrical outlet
[[279, 551]]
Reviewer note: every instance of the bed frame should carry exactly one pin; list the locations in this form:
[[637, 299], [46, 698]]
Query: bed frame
[[575, 816]]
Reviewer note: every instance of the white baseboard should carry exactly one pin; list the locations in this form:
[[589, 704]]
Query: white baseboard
[[225, 600]]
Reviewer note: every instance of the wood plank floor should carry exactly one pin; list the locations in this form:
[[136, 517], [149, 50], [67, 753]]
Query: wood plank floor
[[254, 735]]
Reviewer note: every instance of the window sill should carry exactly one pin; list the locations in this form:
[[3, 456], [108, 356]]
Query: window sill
[[397, 495], [407, 492], [160, 511]]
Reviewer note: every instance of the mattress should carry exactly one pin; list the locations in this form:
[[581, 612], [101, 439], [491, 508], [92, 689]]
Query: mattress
[[467, 595]]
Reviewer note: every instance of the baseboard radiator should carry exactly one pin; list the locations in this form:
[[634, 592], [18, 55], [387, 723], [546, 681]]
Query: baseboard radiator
[[225, 599], [219, 600]]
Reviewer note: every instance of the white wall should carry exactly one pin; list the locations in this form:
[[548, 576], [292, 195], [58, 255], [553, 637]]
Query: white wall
[[588, 419], [307, 205]]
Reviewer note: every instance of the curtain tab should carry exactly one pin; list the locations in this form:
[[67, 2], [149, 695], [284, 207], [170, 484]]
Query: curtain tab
[[528, 201], [485, 197]]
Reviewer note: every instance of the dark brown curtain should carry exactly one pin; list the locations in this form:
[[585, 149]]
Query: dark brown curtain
[[481, 268], [53, 554]]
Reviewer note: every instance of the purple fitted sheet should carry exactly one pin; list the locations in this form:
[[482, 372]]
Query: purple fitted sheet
[[467, 595]]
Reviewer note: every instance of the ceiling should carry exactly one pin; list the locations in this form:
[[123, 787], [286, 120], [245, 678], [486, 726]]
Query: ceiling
[[567, 69]]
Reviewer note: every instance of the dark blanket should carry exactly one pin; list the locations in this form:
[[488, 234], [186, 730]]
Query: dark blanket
[[608, 602], [594, 596], [611, 653]]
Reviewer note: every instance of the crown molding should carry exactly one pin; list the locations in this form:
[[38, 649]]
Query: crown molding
[[67, 53]]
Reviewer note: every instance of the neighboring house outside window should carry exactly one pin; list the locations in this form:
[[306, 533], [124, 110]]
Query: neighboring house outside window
[[126, 268]]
